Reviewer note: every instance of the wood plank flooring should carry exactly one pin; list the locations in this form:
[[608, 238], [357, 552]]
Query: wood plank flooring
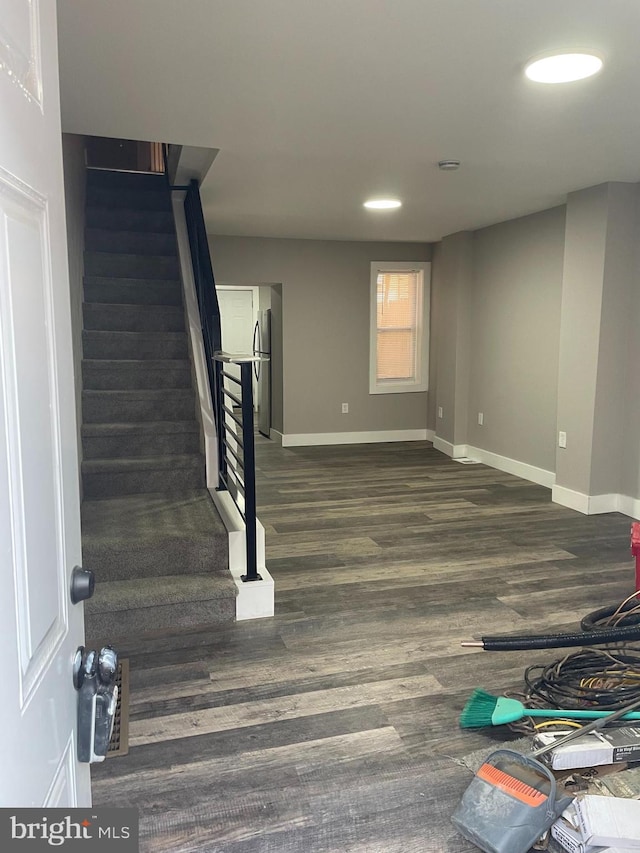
[[333, 726]]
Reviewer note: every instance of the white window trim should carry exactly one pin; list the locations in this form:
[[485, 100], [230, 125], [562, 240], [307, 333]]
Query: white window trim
[[421, 382]]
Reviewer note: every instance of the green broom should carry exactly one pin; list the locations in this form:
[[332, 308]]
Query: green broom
[[483, 709]]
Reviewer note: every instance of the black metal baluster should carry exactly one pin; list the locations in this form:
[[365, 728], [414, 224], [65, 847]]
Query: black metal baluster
[[249, 472]]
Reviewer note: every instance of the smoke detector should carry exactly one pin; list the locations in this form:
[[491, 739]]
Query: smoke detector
[[449, 165]]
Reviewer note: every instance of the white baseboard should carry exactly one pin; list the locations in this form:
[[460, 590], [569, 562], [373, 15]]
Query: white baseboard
[[599, 504], [431, 434], [455, 451], [254, 600], [596, 504], [586, 504], [276, 436], [494, 460], [629, 506], [307, 439], [512, 466], [570, 498]]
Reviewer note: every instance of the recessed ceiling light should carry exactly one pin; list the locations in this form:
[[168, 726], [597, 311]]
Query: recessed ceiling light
[[563, 67], [383, 203]]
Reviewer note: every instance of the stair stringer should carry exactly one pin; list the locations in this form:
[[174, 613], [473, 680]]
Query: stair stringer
[[254, 600]]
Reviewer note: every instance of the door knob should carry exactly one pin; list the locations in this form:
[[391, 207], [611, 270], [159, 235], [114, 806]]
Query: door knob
[[83, 583], [107, 665]]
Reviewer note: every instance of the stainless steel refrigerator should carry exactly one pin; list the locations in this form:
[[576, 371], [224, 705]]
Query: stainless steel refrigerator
[[262, 347]]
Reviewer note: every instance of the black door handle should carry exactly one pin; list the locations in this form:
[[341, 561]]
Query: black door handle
[[256, 349], [83, 583]]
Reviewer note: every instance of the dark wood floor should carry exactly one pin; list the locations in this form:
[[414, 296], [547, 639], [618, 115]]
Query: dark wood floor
[[333, 726]]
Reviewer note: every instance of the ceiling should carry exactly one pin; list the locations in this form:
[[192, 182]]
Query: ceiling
[[317, 105]]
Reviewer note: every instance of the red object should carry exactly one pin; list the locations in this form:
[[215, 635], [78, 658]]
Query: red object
[[635, 549]]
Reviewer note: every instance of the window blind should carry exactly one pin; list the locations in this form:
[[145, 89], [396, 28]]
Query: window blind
[[397, 326]]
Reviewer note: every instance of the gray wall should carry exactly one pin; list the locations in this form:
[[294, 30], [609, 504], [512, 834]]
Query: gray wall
[[585, 244], [598, 366], [616, 376], [74, 190], [437, 323], [264, 297], [443, 332], [276, 358], [325, 332], [630, 473], [515, 328], [452, 296]]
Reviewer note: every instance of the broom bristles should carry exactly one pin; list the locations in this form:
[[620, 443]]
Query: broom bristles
[[478, 711]]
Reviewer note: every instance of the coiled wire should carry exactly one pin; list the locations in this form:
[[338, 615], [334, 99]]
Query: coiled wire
[[603, 678]]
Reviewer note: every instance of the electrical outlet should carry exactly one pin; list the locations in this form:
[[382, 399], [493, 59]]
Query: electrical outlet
[[345, 408], [562, 439], [439, 411], [480, 418]]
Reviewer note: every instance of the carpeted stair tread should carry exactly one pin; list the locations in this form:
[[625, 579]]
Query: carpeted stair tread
[[146, 427], [103, 485], [130, 242], [164, 555], [121, 219], [146, 363], [125, 317], [140, 438], [122, 444], [130, 199], [126, 179], [192, 461], [112, 596], [98, 344], [140, 393], [132, 291], [191, 514], [116, 265], [144, 404], [135, 374], [150, 535], [111, 626]]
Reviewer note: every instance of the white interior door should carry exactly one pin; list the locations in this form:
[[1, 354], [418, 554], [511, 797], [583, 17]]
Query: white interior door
[[237, 320], [39, 497]]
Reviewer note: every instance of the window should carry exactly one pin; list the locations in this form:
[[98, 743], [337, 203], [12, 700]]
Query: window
[[399, 327]]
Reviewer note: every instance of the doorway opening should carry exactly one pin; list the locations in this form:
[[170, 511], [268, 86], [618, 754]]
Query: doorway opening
[[250, 317]]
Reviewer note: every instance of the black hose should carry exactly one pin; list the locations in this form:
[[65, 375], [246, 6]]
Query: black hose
[[596, 630], [558, 641]]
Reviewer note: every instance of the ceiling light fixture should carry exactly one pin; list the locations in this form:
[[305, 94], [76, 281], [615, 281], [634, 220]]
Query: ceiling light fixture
[[563, 67], [382, 203]]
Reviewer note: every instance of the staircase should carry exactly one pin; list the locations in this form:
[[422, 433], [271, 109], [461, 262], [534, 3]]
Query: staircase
[[150, 530]]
